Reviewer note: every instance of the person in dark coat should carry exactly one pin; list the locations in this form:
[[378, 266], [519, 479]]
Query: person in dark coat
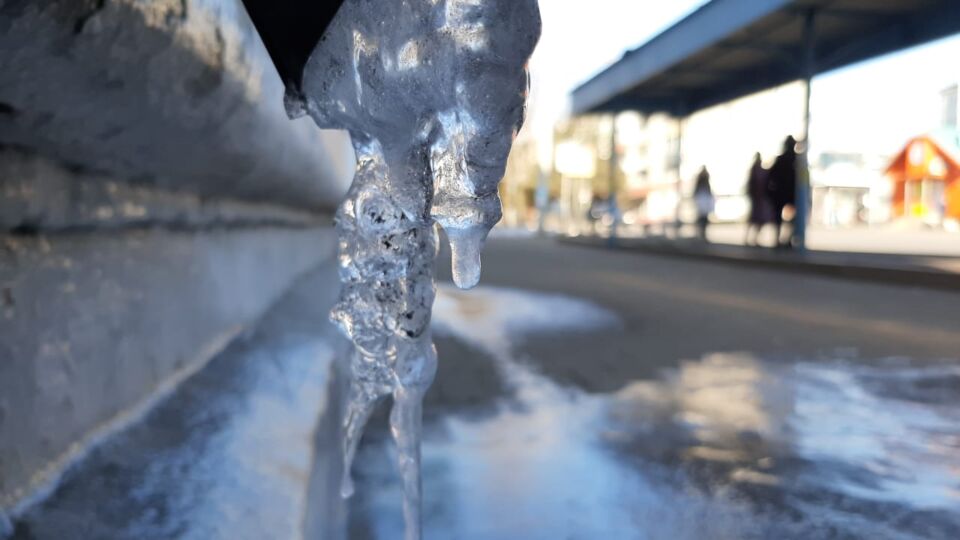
[[761, 209], [782, 185]]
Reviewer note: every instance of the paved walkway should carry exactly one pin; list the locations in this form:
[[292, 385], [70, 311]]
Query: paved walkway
[[922, 270], [896, 239]]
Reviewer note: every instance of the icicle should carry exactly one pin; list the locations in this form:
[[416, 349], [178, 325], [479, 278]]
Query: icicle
[[432, 93]]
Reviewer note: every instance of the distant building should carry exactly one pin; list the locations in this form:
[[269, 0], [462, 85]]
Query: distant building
[[520, 183], [925, 177], [848, 189], [951, 114], [650, 157]]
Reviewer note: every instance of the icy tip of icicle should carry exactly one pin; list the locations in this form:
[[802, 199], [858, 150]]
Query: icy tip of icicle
[[465, 248], [346, 486]]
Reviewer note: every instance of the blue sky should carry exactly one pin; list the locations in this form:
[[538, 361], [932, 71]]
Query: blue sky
[[581, 38]]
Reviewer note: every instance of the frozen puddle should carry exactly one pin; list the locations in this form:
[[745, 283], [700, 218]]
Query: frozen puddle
[[887, 434], [726, 446]]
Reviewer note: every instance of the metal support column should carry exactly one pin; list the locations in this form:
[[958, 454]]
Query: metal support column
[[678, 161], [612, 181], [803, 165]]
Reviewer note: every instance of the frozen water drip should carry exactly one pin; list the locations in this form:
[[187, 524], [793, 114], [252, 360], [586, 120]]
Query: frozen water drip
[[432, 93]]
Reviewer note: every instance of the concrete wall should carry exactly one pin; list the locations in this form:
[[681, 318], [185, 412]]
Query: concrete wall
[[246, 448], [37, 194], [172, 94], [155, 200], [94, 323]]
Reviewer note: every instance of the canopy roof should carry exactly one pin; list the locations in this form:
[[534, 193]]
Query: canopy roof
[[731, 48]]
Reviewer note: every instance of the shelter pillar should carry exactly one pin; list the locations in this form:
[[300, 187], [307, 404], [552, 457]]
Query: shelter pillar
[[612, 180], [677, 163], [803, 166]]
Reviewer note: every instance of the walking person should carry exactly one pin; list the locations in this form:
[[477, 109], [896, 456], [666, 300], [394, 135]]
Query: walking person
[[782, 187], [761, 209], [704, 200]]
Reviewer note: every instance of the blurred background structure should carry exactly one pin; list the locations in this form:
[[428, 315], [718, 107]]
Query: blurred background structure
[[868, 80]]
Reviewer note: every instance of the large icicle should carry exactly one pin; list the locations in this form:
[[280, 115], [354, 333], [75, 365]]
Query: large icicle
[[432, 93]]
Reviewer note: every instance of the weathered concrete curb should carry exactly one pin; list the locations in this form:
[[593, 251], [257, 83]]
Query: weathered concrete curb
[[93, 325], [38, 195], [865, 267], [246, 448]]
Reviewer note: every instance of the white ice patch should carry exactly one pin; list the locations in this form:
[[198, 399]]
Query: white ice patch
[[494, 318]]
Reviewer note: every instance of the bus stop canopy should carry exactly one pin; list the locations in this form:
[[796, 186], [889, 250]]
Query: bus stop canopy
[[731, 48]]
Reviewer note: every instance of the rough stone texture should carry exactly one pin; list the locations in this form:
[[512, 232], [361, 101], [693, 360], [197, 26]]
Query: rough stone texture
[[155, 199], [245, 449], [93, 324], [177, 95], [39, 195]]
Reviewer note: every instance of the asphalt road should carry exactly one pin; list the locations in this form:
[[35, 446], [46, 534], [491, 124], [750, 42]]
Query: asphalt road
[[724, 402], [676, 309]]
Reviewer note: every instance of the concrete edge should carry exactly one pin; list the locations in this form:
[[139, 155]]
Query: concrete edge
[[906, 277], [324, 515], [35, 480], [38, 194], [320, 512], [46, 481]]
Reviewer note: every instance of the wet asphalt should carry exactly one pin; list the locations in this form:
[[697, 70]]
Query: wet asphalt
[[721, 402]]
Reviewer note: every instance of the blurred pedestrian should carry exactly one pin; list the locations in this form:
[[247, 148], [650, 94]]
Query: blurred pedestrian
[[782, 186], [761, 208], [704, 200]]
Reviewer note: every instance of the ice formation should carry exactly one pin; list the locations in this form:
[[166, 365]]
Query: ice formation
[[432, 93]]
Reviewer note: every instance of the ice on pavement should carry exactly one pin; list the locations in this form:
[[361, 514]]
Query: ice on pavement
[[495, 317]]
